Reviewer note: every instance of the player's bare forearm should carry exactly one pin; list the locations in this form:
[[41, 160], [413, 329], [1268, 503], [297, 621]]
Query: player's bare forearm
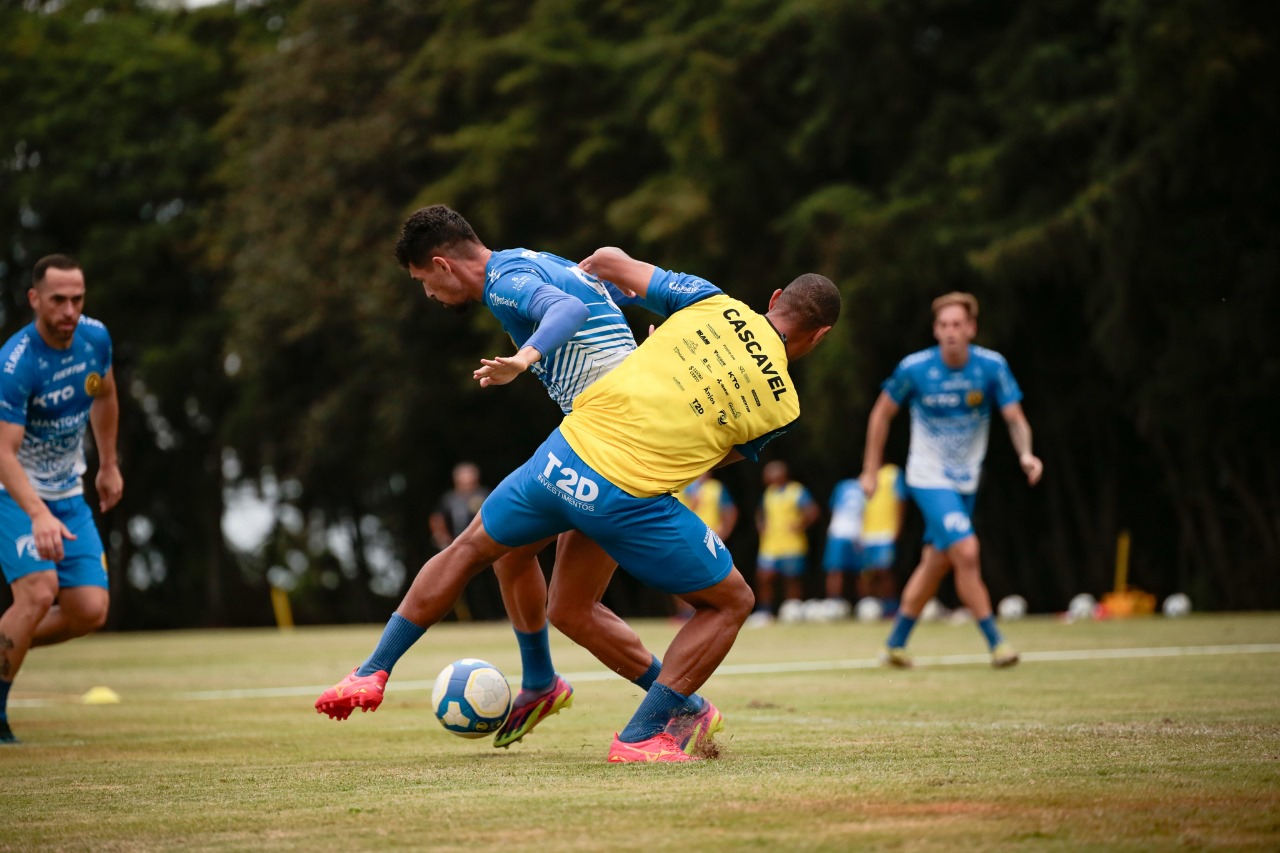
[[613, 264], [882, 414], [1020, 436]]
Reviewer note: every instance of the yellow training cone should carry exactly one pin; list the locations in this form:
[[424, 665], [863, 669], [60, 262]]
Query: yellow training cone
[[100, 696]]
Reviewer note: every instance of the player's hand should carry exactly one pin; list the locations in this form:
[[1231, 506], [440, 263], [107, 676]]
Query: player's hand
[[500, 370], [110, 486], [1032, 467], [48, 533], [868, 481]]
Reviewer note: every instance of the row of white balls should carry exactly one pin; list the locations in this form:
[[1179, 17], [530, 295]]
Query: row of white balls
[[1082, 606]]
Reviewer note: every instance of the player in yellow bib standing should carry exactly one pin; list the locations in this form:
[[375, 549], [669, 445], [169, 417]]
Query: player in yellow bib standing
[[786, 512]]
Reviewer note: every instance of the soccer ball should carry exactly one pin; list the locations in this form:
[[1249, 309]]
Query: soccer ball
[[1012, 607], [791, 611], [838, 608], [1081, 607], [932, 611], [815, 610], [869, 609], [1177, 605], [471, 698]]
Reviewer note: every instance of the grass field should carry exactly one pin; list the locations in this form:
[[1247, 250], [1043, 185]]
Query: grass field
[[1124, 735]]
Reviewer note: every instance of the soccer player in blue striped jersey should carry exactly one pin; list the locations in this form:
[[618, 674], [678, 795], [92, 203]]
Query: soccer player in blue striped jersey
[[568, 331], [709, 387], [56, 381], [951, 389]]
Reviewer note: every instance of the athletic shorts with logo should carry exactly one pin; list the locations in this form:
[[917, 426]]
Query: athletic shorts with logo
[[83, 564], [948, 515], [656, 539]]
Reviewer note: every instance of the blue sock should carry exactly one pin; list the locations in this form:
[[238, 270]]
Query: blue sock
[[990, 631], [397, 637], [902, 625], [650, 675], [535, 660], [693, 704], [660, 704], [4, 700]]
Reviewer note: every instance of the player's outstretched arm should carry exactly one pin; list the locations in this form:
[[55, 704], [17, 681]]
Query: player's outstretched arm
[[612, 264], [104, 417], [1020, 435], [877, 434], [558, 317]]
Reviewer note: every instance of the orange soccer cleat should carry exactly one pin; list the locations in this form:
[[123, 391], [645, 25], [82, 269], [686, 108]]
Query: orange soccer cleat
[[354, 691]]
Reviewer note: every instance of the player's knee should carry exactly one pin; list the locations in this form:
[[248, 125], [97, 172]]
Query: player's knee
[[36, 597], [965, 554], [737, 599], [87, 618]]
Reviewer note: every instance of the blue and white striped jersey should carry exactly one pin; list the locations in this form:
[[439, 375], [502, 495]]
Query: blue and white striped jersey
[[49, 391], [513, 278], [950, 414]]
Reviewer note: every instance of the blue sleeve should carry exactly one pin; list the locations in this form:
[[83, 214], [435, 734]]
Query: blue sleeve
[[900, 485], [805, 498], [15, 391], [751, 450], [559, 317], [1006, 387], [900, 386], [670, 291]]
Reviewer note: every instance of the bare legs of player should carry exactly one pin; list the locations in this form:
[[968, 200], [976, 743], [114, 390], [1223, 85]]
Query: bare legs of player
[[578, 582], [934, 565], [705, 640]]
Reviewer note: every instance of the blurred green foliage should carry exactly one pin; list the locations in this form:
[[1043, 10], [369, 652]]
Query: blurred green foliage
[[1101, 174]]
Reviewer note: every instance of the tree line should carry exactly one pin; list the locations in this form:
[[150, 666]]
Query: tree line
[[1101, 174]]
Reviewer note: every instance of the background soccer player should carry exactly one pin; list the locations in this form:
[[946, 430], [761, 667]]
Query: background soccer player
[[951, 389], [55, 381], [785, 513]]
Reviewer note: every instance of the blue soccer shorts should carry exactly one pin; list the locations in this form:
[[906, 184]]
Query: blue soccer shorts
[[948, 515], [877, 556], [84, 563], [841, 555], [657, 540], [791, 567]]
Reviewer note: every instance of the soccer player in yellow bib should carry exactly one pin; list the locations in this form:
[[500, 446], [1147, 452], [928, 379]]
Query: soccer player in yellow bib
[[786, 512], [710, 386]]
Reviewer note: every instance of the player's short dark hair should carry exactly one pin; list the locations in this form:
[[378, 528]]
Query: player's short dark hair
[[48, 262], [812, 301], [432, 229]]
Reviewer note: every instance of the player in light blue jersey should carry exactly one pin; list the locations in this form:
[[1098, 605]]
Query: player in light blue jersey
[[55, 382], [951, 389], [568, 331]]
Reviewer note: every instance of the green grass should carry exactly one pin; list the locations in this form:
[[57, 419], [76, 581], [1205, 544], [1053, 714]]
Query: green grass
[[1110, 753]]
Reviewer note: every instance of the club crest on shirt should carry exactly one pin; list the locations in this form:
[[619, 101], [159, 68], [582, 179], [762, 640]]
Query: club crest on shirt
[[974, 399], [93, 384]]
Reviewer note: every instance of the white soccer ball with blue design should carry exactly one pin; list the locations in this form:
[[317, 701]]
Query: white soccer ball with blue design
[[471, 698]]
